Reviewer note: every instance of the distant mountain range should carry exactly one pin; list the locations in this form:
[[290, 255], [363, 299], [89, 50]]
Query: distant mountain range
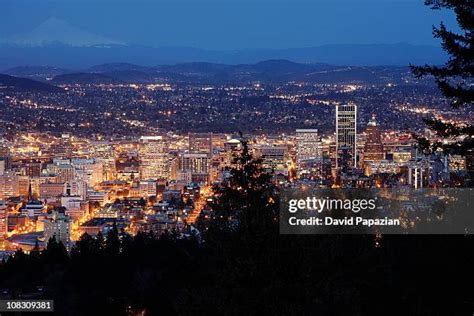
[[66, 56], [271, 71], [57, 43], [41, 73]]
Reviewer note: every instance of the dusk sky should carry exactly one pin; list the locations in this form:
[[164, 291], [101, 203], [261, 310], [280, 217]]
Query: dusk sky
[[234, 24]]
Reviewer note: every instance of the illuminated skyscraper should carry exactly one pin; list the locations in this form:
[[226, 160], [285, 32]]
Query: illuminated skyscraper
[[3, 219], [8, 184], [310, 162], [104, 152], [154, 160], [196, 163], [193, 167], [308, 145], [346, 137], [273, 158], [373, 150], [89, 170]]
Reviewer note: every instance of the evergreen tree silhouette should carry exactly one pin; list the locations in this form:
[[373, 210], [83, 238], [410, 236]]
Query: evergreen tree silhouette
[[247, 200], [55, 251], [112, 242], [454, 79]]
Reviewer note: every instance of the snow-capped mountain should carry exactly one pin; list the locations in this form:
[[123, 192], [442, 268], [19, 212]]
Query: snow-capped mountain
[[56, 31]]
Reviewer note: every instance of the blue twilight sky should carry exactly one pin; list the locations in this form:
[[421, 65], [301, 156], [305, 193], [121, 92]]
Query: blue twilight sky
[[234, 24]]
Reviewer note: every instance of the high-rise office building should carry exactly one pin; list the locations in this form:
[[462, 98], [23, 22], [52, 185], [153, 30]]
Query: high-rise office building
[[8, 184], [308, 145], [154, 160], [200, 143], [232, 148], [3, 219], [346, 137], [89, 170], [62, 169], [34, 207], [104, 152], [196, 163], [64, 148], [373, 150], [309, 155], [193, 167], [273, 157]]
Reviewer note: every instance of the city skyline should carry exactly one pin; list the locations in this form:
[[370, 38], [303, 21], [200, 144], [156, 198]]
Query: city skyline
[[282, 157]]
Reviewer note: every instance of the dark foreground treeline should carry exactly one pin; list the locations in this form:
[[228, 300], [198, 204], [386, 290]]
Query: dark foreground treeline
[[324, 275]]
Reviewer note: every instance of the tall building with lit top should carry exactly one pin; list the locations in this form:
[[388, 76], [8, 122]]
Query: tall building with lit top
[[154, 159], [346, 137], [373, 150]]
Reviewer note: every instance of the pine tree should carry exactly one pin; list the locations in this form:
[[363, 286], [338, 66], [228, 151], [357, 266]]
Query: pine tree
[[88, 246], [112, 243], [248, 197], [55, 251], [454, 79]]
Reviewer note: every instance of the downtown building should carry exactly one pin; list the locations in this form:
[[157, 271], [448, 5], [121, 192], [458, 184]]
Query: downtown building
[[91, 171], [154, 158], [104, 152], [194, 162], [373, 150], [5, 158], [62, 169], [200, 143], [58, 224], [274, 158], [9, 184], [3, 219], [308, 151], [193, 167], [346, 138], [374, 155]]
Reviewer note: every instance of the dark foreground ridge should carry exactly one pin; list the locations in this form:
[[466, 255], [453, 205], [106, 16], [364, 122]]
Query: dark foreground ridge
[[22, 84]]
